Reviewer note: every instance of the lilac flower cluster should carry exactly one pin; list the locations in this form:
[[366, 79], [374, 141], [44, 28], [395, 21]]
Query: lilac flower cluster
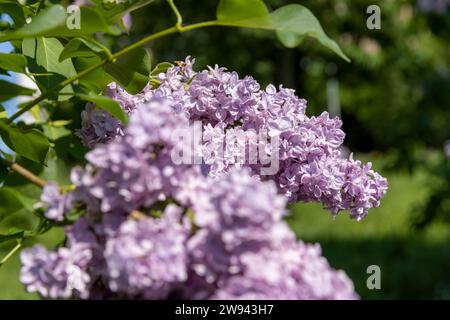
[[311, 167], [155, 231]]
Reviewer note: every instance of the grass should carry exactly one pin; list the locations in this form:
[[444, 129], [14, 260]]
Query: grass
[[413, 264]]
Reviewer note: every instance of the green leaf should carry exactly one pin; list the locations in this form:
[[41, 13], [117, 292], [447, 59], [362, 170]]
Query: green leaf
[[112, 9], [10, 90], [13, 62], [294, 22], [47, 20], [4, 170], [44, 54], [15, 11], [12, 201], [54, 21], [160, 68], [29, 143], [244, 13], [95, 81], [91, 21], [12, 236], [79, 47], [108, 105], [54, 132], [3, 113], [131, 70]]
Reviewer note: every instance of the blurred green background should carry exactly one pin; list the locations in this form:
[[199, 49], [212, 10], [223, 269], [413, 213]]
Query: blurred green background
[[394, 101]]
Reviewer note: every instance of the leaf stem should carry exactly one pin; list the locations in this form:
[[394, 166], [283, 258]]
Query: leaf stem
[[10, 253], [103, 47], [177, 14]]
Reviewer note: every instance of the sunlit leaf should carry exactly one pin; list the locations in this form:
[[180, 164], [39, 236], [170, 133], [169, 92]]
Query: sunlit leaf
[[13, 62], [29, 143], [294, 22], [131, 70], [106, 104]]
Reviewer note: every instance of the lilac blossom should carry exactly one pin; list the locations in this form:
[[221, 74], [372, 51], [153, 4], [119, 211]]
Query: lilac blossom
[[297, 272], [148, 257], [48, 272], [153, 230], [56, 203], [232, 110]]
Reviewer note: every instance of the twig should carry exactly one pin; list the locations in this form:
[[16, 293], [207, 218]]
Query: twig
[[30, 176]]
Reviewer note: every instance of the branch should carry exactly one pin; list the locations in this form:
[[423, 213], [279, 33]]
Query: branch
[[116, 55], [30, 176]]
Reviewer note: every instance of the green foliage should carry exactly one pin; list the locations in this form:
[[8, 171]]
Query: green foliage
[[13, 62], [14, 10], [10, 90], [44, 55], [112, 10], [107, 104], [48, 20], [160, 68], [28, 142], [132, 70], [52, 22], [295, 22], [292, 23], [95, 81], [79, 47], [244, 13], [12, 201]]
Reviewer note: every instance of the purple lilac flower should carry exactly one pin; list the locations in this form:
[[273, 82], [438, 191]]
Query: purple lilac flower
[[154, 230], [311, 166], [49, 272], [246, 251], [140, 169], [148, 257], [56, 203], [297, 272]]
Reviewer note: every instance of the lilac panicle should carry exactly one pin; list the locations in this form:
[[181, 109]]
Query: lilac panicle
[[56, 203], [148, 257], [311, 166], [154, 230]]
